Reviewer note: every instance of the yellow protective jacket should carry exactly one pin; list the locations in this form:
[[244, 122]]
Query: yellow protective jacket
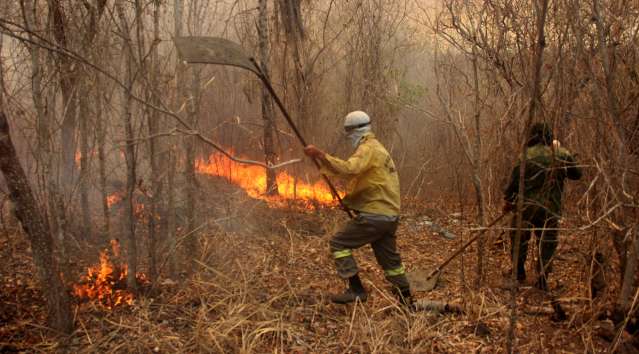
[[374, 182]]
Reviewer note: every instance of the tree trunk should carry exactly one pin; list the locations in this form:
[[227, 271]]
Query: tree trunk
[[189, 171], [267, 103], [84, 159], [153, 125], [62, 186], [83, 82], [43, 120], [180, 73], [290, 13], [42, 123], [192, 101], [102, 158], [67, 82], [535, 100], [171, 227], [59, 315], [477, 168], [129, 153]]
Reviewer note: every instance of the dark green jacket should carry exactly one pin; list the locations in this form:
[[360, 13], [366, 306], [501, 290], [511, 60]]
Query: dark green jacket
[[546, 170]]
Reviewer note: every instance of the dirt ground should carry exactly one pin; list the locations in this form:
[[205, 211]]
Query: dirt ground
[[262, 283]]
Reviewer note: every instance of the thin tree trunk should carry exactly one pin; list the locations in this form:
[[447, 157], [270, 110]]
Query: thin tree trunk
[[102, 158], [129, 217], [294, 36], [153, 126], [189, 171], [171, 228], [84, 160], [477, 169], [609, 74], [180, 71], [267, 103], [68, 90], [101, 133], [66, 165], [82, 81], [151, 116], [535, 99], [59, 315], [43, 125], [192, 101]]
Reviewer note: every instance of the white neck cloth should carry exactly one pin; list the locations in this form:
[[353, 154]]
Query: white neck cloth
[[357, 134]]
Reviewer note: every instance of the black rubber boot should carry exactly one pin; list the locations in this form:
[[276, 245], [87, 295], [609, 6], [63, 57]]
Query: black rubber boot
[[354, 292]]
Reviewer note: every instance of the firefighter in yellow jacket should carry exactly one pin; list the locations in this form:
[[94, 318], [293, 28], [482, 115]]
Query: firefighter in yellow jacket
[[373, 194]]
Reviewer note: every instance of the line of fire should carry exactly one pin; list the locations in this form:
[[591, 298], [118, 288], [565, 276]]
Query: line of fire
[[104, 283], [319, 176]]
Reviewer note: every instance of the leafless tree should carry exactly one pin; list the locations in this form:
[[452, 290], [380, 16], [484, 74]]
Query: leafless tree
[[57, 299], [268, 114]]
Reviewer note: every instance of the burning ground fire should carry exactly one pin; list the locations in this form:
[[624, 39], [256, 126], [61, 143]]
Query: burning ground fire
[[106, 282], [253, 180]]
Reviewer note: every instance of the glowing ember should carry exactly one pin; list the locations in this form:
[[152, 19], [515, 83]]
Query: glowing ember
[[253, 180], [138, 207], [138, 210], [78, 156], [106, 282], [114, 199]]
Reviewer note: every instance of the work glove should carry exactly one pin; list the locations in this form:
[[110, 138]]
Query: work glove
[[556, 144], [508, 207], [313, 152]]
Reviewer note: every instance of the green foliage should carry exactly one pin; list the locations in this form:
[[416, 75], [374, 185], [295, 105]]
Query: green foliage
[[410, 93]]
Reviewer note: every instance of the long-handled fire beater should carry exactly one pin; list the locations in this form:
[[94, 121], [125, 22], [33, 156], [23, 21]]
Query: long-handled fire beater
[[220, 51]]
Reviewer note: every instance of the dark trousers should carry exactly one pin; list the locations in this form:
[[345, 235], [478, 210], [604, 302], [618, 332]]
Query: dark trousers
[[381, 236], [539, 220]]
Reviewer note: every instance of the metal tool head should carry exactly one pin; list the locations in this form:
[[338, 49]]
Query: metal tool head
[[213, 50], [422, 280]]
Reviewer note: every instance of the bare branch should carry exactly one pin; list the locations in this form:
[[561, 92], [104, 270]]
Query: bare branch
[[47, 45]]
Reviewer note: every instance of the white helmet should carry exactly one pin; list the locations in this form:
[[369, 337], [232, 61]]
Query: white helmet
[[356, 119]]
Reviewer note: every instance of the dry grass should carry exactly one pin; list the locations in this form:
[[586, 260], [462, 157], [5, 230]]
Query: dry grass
[[266, 292]]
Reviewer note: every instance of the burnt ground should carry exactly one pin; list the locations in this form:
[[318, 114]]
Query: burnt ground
[[262, 281]]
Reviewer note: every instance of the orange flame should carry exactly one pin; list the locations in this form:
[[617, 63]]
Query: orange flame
[[253, 180], [117, 197], [113, 199], [106, 282], [78, 156], [138, 210]]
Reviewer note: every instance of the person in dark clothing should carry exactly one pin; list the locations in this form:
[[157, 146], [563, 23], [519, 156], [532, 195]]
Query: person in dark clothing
[[547, 167]]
